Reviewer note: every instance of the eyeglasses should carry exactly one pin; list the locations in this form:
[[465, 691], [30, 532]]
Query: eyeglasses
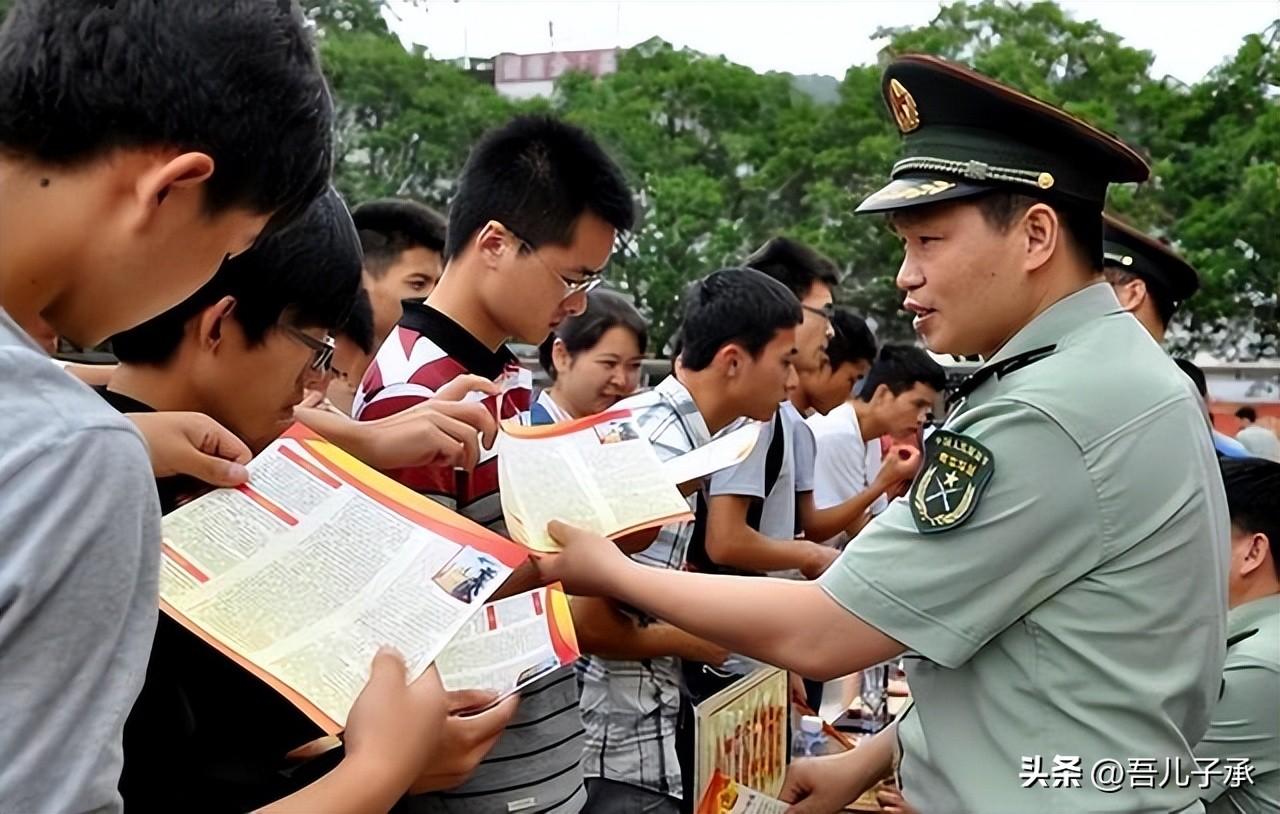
[[571, 287], [321, 349], [827, 312]]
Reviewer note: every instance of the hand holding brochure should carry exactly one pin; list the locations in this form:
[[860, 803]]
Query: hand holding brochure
[[300, 575], [598, 473], [511, 643]]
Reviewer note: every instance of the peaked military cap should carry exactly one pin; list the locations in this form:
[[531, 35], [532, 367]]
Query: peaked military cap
[[1168, 275], [964, 134]]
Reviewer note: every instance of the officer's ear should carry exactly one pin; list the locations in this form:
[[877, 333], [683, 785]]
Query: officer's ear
[[1131, 294], [1043, 232], [1256, 555]]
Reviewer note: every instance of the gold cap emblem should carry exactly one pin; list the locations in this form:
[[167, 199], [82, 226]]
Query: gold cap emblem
[[903, 106]]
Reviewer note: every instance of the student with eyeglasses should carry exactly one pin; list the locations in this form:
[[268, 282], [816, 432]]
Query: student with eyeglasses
[[240, 350], [538, 209]]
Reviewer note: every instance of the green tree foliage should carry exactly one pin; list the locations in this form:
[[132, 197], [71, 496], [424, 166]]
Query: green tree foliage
[[722, 158]]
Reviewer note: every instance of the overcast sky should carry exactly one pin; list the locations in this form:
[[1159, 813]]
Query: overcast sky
[[1188, 37]]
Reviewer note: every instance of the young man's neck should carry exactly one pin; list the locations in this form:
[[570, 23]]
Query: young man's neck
[[868, 425], [34, 272], [706, 389], [456, 297], [156, 386]]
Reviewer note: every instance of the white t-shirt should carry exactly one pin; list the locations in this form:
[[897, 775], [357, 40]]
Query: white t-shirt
[[747, 479], [844, 465]]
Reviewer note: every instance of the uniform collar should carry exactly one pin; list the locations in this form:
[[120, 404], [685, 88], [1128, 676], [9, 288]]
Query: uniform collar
[[1253, 614], [1060, 319]]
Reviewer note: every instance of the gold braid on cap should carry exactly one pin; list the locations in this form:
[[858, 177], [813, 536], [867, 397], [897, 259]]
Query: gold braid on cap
[[974, 170]]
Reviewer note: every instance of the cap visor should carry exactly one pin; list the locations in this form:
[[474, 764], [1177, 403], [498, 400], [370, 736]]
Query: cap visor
[[901, 193]]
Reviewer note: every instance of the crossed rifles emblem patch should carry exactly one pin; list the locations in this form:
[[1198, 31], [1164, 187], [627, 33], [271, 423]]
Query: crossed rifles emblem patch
[[956, 471]]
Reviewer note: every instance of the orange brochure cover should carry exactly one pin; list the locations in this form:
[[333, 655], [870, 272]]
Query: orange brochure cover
[[302, 574]]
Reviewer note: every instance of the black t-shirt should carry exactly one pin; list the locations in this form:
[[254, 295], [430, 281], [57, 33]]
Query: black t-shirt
[[205, 734]]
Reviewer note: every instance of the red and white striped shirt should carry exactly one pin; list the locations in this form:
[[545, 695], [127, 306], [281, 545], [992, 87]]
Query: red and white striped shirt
[[425, 352], [535, 766]]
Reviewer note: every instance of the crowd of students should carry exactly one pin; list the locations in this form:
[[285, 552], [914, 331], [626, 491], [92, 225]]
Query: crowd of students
[[165, 183]]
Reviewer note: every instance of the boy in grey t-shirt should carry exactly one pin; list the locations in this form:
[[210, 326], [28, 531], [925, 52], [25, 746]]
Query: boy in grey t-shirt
[[140, 144], [78, 558]]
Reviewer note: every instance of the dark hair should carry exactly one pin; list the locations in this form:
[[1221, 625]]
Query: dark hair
[[1247, 413], [795, 265], [853, 340], [1195, 374], [307, 274], [391, 226], [358, 326], [237, 79], [537, 175], [900, 368], [605, 310], [1164, 302], [734, 306], [1253, 499], [1083, 227]]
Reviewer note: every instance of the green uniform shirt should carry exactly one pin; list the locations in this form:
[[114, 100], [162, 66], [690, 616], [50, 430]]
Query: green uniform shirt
[[1077, 615], [1245, 726]]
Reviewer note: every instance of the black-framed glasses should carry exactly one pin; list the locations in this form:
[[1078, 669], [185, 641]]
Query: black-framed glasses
[[321, 349], [571, 287], [827, 312]]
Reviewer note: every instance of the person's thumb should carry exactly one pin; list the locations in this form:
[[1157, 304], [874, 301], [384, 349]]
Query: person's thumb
[[560, 531], [388, 666], [470, 700], [217, 456]]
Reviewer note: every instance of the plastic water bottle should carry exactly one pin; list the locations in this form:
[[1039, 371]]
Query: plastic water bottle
[[810, 740]]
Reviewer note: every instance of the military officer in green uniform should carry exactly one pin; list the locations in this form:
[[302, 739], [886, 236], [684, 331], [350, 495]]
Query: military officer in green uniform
[[1057, 570], [1148, 277], [1242, 746]]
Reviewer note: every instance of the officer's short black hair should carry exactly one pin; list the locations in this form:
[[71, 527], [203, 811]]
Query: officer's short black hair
[[852, 341], [306, 275], [358, 326], [605, 310], [900, 368], [1253, 499], [1247, 413], [236, 79], [735, 306], [389, 227], [795, 265], [1000, 208], [537, 176]]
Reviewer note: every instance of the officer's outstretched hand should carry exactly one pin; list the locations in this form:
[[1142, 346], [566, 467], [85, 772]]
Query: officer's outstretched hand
[[587, 564], [819, 785]]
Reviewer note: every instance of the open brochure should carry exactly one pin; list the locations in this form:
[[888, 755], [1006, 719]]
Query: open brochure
[[730, 447], [599, 473], [726, 796], [511, 643], [742, 732], [300, 575]]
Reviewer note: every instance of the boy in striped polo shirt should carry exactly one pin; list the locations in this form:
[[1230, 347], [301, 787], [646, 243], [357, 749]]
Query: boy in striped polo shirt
[[538, 209]]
